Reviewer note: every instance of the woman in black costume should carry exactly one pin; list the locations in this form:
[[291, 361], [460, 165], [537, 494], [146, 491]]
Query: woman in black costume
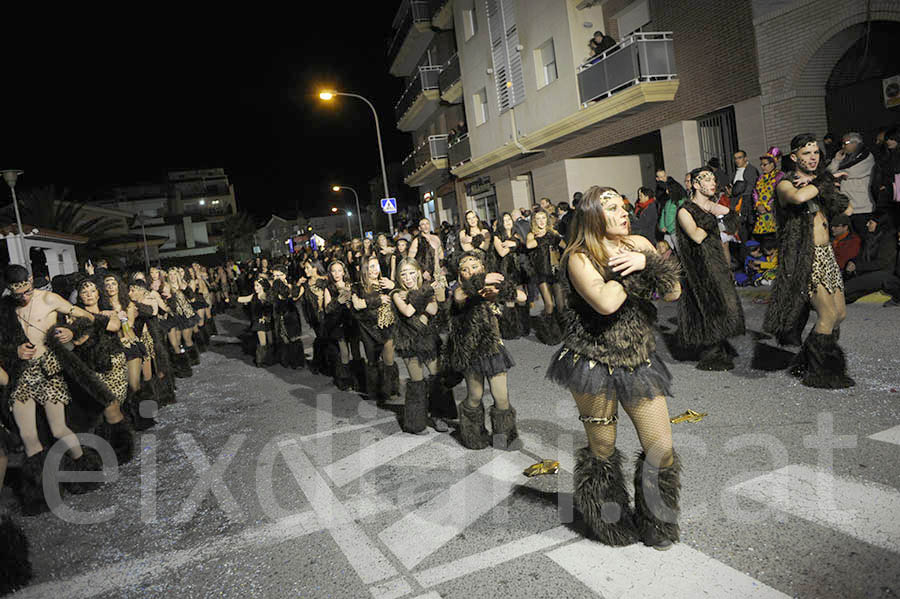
[[546, 245], [507, 247], [286, 319], [261, 320], [337, 322], [312, 303], [417, 341], [710, 310], [609, 357], [375, 315]]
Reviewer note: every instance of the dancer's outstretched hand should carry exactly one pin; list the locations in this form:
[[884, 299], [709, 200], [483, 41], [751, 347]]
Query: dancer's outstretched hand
[[627, 262]]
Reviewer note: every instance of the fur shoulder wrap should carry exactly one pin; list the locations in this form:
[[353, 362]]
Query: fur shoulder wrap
[[659, 274], [473, 333], [420, 298]]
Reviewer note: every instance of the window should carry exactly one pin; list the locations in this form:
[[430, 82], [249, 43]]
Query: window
[[545, 63], [508, 74], [470, 24], [479, 101]]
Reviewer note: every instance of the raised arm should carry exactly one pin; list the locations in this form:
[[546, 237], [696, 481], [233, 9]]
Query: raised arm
[[793, 195], [603, 296], [62, 306]]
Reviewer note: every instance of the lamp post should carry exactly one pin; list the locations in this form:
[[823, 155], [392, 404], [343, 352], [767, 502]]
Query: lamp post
[[347, 213], [140, 220], [337, 188], [10, 176], [328, 95]]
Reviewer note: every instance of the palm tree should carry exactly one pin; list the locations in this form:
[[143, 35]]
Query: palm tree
[[51, 209]]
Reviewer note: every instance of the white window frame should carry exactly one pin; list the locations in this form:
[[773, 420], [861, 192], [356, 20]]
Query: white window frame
[[543, 66], [480, 105], [470, 22]]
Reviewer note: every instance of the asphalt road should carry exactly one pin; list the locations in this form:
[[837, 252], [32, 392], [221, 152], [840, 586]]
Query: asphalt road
[[271, 483]]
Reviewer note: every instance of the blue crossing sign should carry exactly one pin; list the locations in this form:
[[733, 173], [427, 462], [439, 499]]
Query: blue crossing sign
[[389, 205]]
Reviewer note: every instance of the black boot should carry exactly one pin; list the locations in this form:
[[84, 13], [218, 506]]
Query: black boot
[[181, 365], [372, 383], [297, 354], [415, 410], [200, 341], [716, 358], [120, 437], [390, 381], [656, 492], [259, 360], [472, 433], [503, 428], [15, 567], [31, 490], [88, 462], [441, 404], [141, 418], [342, 378], [358, 374], [510, 326], [524, 319], [826, 365], [601, 497], [193, 355], [213, 329]]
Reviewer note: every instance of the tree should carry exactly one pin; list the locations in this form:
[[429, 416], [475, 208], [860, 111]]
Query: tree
[[235, 228], [52, 209]]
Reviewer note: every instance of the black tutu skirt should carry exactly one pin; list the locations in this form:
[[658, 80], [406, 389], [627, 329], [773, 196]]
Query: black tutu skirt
[[578, 375], [168, 323], [184, 323], [199, 304], [137, 350], [492, 365]]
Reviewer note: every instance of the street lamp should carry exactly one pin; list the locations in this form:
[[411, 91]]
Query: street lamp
[[10, 176], [336, 189], [140, 219], [327, 96]]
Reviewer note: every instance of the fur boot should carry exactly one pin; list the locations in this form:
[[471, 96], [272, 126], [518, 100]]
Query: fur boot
[[546, 329], [601, 497], [15, 567], [31, 490], [358, 373], [193, 355], [211, 324], [415, 410], [200, 341], [181, 364], [510, 326], [826, 365], [503, 428], [440, 399], [373, 378], [89, 461], [259, 360], [120, 437], [390, 380], [141, 419], [297, 355], [656, 492], [524, 318], [716, 358], [342, 378], [472, 433]]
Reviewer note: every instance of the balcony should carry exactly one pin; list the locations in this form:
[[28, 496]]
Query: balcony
[[459, 151], [450, 81], [412, 34], [639, 58], [636, 74], [420, 100], [427, 162], [442, 14]]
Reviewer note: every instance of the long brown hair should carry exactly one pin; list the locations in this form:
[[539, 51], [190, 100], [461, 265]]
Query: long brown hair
[[589, 227], [549, 226], [367, 284]]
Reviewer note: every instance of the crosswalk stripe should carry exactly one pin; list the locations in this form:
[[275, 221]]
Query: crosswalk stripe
[[423, 531], [365, 558], [891, 435], [373, 456], [392, 589], [625, 572], [495, 556], [347, 429], [862, 510]]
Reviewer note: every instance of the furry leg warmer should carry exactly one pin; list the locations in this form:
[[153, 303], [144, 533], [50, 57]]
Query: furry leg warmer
[[88, 462], [415, 410], [120, 437], [141, 420], [342, 378], [181, 364], [715, 357], [602, 499], [524, 319], [373, 380], [193, 355], [471, 426], [201, 341], [390, 380], [358, 372], [826, 364], [31, 490], [297, 355], [15, 567], [546, 329], [212, 329], [503, 428], [510, 326], [440, 399], [656, 492], [259, 360]]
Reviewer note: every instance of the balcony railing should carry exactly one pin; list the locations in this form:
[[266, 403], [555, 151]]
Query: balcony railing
[[638, 58], [450, 74], [426, 79], [415, 11], [459, 151], [433, 148]]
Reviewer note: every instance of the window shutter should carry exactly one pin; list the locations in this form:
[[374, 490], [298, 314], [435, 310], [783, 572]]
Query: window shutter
[[508, 75]]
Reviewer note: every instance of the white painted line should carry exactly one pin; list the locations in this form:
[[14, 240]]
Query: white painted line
[[370, 564], [347, 429], [862, 510], [636, 572], [495, 556], [429, 595], [423, 531], [891, 435], [391, 589], [373, 456]]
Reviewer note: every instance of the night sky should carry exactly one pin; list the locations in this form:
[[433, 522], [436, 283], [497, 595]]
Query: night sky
[[89, 102]]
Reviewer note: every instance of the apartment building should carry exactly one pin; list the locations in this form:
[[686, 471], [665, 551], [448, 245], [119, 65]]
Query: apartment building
[[687, 80]]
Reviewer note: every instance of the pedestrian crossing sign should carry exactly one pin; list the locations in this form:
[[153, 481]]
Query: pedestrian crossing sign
[[389, 205]]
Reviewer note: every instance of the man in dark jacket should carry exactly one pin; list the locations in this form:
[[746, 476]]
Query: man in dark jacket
[[873, 268], [741, 191], [562, 226], [646, 215]]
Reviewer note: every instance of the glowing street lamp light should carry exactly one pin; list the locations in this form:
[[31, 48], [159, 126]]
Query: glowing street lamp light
[[328, 95], [338, 188]]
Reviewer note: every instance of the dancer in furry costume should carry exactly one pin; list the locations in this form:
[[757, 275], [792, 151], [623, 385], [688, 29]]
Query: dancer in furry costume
[[261, 320], [545, 245], [312, 302], [807, 269], [338, 323], [288, 328], [376, 320], [507, 246], [475, 348], [609, 357], [710, 310], [417, 341], [157, 368]]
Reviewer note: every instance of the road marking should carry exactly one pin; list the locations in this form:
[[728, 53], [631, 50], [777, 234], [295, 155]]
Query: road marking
[[370, 564], [891, 435], [391, 589], [637, 571], [862, 510], [423, 531], [347, 429], [373, 456], [495, 556]]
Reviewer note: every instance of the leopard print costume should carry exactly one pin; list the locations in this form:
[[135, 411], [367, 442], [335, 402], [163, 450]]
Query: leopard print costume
[[825, 271], [41, 381], [116, 378]]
